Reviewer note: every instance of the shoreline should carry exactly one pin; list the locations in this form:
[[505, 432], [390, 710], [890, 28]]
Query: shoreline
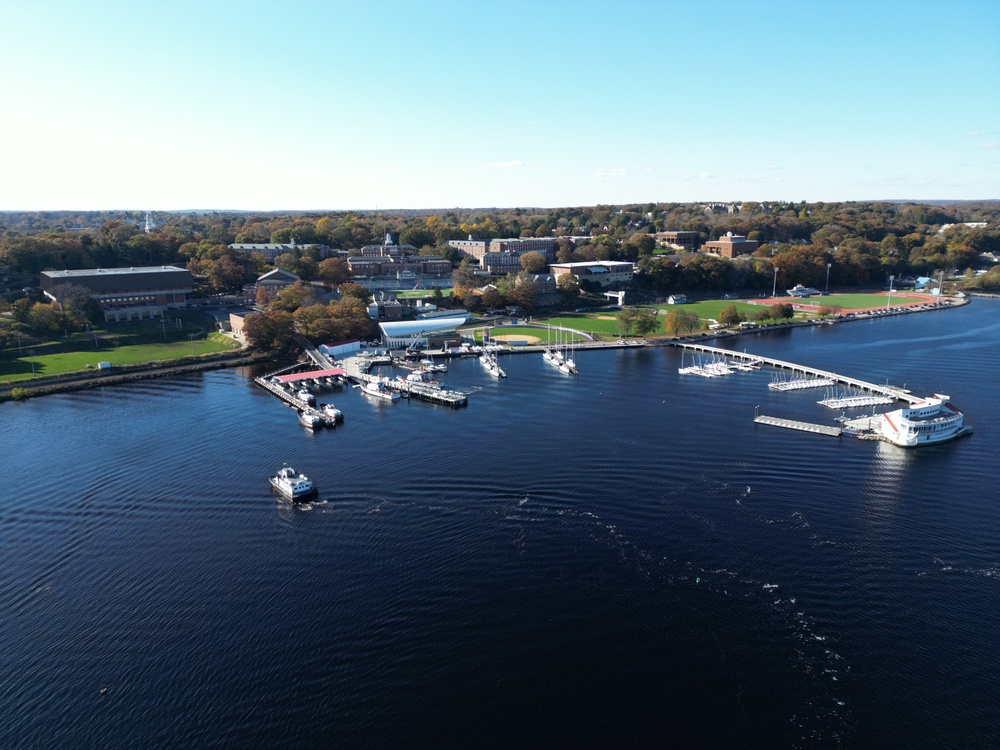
[[83, 381]]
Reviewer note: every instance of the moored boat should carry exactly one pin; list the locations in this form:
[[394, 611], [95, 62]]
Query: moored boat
[[310, 420], [331, 412], [292, 485], [378, 388], [932, 420]]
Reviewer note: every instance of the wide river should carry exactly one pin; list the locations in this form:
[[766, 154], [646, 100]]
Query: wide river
[[617, 559]]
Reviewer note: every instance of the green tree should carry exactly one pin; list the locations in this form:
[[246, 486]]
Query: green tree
[[568, 284], [646, 321], [357, 291], [782, 311], [626, 320], [730, 316], [680, 321]]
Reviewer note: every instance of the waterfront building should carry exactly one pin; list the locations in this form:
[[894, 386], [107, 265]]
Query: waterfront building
[[730, 246], [423, 332], [603, 272], [134, 293]]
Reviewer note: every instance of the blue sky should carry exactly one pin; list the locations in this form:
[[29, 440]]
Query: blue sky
[[357, 105]]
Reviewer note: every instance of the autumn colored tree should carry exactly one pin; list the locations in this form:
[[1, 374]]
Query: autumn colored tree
[[534, 262], [272, 332], [730, 316], [357, 291]]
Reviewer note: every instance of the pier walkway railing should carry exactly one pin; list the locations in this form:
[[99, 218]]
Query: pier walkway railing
[[885, 390]]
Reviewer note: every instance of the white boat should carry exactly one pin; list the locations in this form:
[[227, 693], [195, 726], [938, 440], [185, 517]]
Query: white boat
[[932, 420], [379, 388], [305, 396], [291, 485], [489, 362], [431, 366], [332, 412], [312, 421], [420, 375]]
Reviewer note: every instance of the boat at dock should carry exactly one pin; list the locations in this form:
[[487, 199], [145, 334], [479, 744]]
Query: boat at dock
[[292, 485], [379, 388], [331, 412], [490, 364], [932, 420], [305, 396], [310, 419]]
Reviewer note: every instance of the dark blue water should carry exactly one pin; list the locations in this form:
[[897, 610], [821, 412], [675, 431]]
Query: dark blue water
[[617, 559]]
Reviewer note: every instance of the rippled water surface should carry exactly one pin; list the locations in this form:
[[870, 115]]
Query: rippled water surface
[[616, 559]]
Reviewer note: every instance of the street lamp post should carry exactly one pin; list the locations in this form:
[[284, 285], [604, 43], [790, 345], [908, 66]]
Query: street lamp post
[[774, 289], [828, 277], [889, 304], [191, 336]]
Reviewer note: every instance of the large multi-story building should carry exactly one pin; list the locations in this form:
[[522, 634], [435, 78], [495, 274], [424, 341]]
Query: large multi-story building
[[470, 247], [677, 240], [501, 264], [427, 265], [271, 250], [730, 246], [135, 293], [604, 272], [544, 245]]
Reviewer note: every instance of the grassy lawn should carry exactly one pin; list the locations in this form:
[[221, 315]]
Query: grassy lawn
[[864, 301], [710, 308], [604, 323], [145, 341]]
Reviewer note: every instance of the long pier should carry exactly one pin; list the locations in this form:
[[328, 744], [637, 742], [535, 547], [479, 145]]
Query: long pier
[[894, 393], [794, 424], [265, 382]]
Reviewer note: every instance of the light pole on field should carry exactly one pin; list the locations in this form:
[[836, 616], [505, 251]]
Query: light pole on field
[[889, 303], [828, 277], [774, 289]]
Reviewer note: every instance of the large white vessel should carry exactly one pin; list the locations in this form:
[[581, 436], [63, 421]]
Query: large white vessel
[[932, 420], [291, 485], [378, 388]]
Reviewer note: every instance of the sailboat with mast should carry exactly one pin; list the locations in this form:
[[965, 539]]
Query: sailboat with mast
[[488, 358], [551, 355]]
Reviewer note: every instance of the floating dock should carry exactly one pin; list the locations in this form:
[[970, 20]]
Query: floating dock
[[792, 424], [896, 394]]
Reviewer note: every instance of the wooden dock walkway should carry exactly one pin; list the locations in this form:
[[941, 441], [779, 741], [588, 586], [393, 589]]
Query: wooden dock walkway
[[792, 424], [884, 390]]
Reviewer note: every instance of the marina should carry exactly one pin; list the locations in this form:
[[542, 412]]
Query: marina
[[896, 394], [794, 424]]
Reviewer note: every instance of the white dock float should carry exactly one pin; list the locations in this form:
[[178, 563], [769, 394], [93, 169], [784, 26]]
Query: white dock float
[[792, 424]]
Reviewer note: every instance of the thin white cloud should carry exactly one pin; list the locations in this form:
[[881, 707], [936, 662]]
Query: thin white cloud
[[605, 175], [989, 144], [514, 164]]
